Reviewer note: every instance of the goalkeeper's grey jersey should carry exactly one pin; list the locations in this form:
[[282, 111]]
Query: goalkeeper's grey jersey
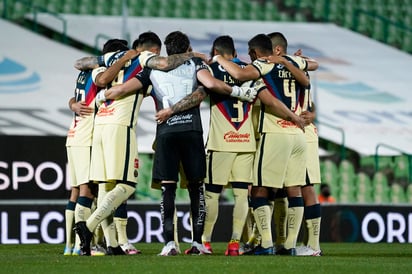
[[172, 86]]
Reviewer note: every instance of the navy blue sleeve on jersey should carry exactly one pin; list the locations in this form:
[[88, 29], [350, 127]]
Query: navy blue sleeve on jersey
[[100, 61], [144, 77]]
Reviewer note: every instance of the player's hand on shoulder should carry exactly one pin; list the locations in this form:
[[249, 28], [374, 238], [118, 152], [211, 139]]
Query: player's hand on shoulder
[[200, 55], [274, 59], [131, 53], [298, 52]]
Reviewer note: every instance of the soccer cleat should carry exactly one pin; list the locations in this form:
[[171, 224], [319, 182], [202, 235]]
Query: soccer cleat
[[115, 251], [197, 249], [169, 249], [247, 249], [259, 250], [208, 246], [129, 249], [286, 252], [97, 250], [67, 251], [76, 252], [278, 247], [232, 248], [307, 251], [85, 238]]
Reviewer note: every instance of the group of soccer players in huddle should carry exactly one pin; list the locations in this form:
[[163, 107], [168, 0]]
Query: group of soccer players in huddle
[[262, 143]]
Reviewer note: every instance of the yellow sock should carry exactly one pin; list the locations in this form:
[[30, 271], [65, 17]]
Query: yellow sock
[[82, 213], [294, 220], [240, 212], [313, 226], [263, 219], [98, 236], [121, 228], [212, 211], [69, 219], [109, 231], [108, 204]]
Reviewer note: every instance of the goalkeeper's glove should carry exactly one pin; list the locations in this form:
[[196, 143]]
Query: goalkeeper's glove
[[100, 97], [244, 93]]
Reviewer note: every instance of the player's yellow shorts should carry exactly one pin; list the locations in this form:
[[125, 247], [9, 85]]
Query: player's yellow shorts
[[280, 160], [224, 167], [312, 155], [114, 154], [79, 164]]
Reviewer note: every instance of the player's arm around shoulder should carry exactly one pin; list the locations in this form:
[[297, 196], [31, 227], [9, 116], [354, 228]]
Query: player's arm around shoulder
[[164, 63], [246, 73], [189, 101]]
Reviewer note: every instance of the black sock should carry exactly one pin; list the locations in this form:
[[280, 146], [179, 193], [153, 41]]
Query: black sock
[[197, 209], [167, 210]]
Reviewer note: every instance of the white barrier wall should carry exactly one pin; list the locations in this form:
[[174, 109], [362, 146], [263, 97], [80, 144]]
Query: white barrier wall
[[362, 86]]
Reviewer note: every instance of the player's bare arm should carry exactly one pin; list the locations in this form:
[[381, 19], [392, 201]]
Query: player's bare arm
[[299, 75], [172, 61], [206, 78], [279, 109], [188, 102], [312, 63], [130, 86], [85, 63], [243, 93], [104, 78], [243, 74]]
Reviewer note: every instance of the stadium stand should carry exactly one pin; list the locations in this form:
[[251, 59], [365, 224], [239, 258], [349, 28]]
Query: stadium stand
[[364, 188], [385, 20], [381, 188], [398, 194], [409, 193]]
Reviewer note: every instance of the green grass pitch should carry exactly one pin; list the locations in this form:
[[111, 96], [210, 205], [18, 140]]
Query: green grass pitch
[[348, 258]]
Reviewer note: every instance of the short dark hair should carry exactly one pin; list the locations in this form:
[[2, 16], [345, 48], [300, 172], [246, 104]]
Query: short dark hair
[[278, 39], [147, 40], [176, 42], [114, 45], [224, 45], [262, 43]]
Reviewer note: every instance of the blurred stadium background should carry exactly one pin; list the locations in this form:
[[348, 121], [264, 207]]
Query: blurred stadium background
[[353, 176]]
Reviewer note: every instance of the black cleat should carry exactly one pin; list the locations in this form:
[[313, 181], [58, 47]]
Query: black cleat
[[85, 238], [286, 252], [114, 251]]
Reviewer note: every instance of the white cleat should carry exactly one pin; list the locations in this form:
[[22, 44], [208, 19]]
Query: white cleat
[[307, 251], [169, 249]]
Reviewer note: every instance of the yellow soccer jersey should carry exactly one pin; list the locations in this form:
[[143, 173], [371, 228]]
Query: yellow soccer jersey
[[231, 128], [81, 128], [124, 110], [282, 84]]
